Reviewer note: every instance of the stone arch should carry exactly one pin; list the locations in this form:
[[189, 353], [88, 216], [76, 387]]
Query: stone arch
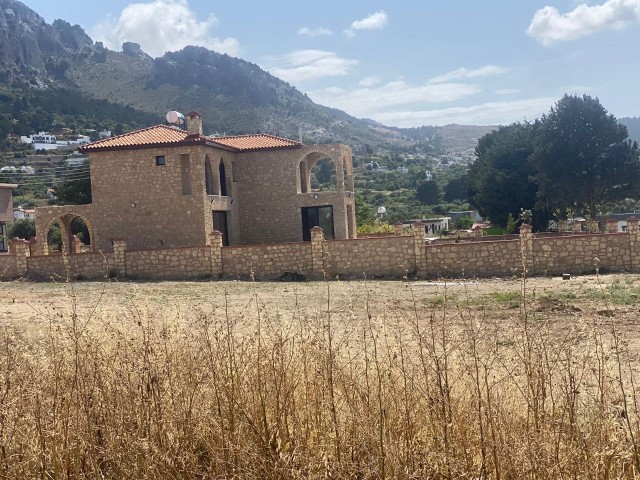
[[65, 220], [226, 177], [310, 161]]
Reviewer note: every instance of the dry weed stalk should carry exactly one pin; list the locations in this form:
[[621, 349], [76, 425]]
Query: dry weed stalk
[[377, 389]]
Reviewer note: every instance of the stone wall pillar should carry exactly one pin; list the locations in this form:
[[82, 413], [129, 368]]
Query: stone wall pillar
[[420, 250], [20, 248], [562, 226], [76, 244], [119, 258], [318, 253], [612, 226], [592, 226], [398, 227], [215, 243], [633, 231], [478, 232], [577, 226], [526, 247]]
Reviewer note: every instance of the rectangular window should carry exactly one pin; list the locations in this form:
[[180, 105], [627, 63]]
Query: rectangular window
[[185, 170], [3, 243], [161, 161]]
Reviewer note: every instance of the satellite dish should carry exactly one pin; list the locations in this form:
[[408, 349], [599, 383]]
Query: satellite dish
[[175, 118]]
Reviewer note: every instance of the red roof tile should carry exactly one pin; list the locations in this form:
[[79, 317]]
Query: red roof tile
[[255, 142], [152, 136], [166, 136]]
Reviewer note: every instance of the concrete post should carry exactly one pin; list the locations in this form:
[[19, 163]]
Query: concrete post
[[420, 250], [119, 258], [398, 227], [612, 226], [215, 243], [318, 253], [20, 248], [526, 246]]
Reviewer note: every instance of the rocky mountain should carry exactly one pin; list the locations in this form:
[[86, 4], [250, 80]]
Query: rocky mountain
[[633, 126], [234, 96]]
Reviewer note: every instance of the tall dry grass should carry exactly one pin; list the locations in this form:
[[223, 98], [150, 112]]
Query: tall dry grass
[[392, 391]]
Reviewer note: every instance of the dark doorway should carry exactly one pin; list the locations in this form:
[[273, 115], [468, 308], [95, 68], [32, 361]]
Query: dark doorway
[[220, 224], [317, 217], [3, 244]]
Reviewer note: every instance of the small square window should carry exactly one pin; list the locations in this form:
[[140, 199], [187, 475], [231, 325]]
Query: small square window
[[160, 161]]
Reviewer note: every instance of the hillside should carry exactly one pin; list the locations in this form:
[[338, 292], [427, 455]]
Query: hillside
[[633, 126]]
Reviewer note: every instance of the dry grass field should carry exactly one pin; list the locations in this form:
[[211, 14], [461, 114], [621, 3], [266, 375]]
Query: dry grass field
[[463, 379]]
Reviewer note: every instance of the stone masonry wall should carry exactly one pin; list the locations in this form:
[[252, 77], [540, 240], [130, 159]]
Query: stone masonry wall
[[267, 261], [8, 267], [577, 254], [57, 267], [389, 257], [393, 256], [169, 264], [474, 259]]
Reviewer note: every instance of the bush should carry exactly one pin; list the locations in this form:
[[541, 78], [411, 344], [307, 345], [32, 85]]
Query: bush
[[23, 228]]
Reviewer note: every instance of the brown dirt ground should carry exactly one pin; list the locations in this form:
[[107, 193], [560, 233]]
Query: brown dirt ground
[[583, 299]]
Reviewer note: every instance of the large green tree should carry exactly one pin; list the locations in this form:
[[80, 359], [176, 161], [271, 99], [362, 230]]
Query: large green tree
[[76, 189], [583, 157], [428, 192], [498, 182]]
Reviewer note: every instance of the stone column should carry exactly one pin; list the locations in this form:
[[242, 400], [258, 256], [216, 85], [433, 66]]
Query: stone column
[[592, 226], [318, 252], [215, 243], [20, 248], [612, 226], [526, 246], [119, 258], [420, 250], [398, 227]]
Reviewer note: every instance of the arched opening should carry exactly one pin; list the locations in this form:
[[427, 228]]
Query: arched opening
[[208, 177], [54, 239], [223, 179], [79, 228], [324, 176]]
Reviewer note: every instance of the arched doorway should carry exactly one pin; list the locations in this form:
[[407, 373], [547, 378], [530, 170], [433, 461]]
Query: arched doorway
[[54, 235], [223, 179], [78, 228]]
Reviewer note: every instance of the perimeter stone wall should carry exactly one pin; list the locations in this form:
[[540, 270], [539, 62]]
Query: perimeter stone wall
[[392, 256]]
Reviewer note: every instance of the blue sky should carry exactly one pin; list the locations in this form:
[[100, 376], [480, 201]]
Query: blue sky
[[404, 63]]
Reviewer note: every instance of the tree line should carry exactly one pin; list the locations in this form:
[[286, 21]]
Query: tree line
[[575, 160]]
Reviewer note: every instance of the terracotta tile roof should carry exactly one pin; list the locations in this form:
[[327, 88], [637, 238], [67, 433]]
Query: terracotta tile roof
[[255, 142], [166, 136], [152, 136]]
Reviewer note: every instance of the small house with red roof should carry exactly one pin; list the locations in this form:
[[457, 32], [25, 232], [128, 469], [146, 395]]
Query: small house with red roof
[[163, 187]]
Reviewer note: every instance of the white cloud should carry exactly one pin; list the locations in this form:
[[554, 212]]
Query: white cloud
[[376, 21], [160, 26], [462, 73], [492, 113], [549, 26], [370, 102], [314, 32], [369, 81], [302, 65]]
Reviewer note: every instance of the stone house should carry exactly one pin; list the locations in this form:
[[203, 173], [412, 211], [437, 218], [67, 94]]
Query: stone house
[[6, 212], [164, 187]]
